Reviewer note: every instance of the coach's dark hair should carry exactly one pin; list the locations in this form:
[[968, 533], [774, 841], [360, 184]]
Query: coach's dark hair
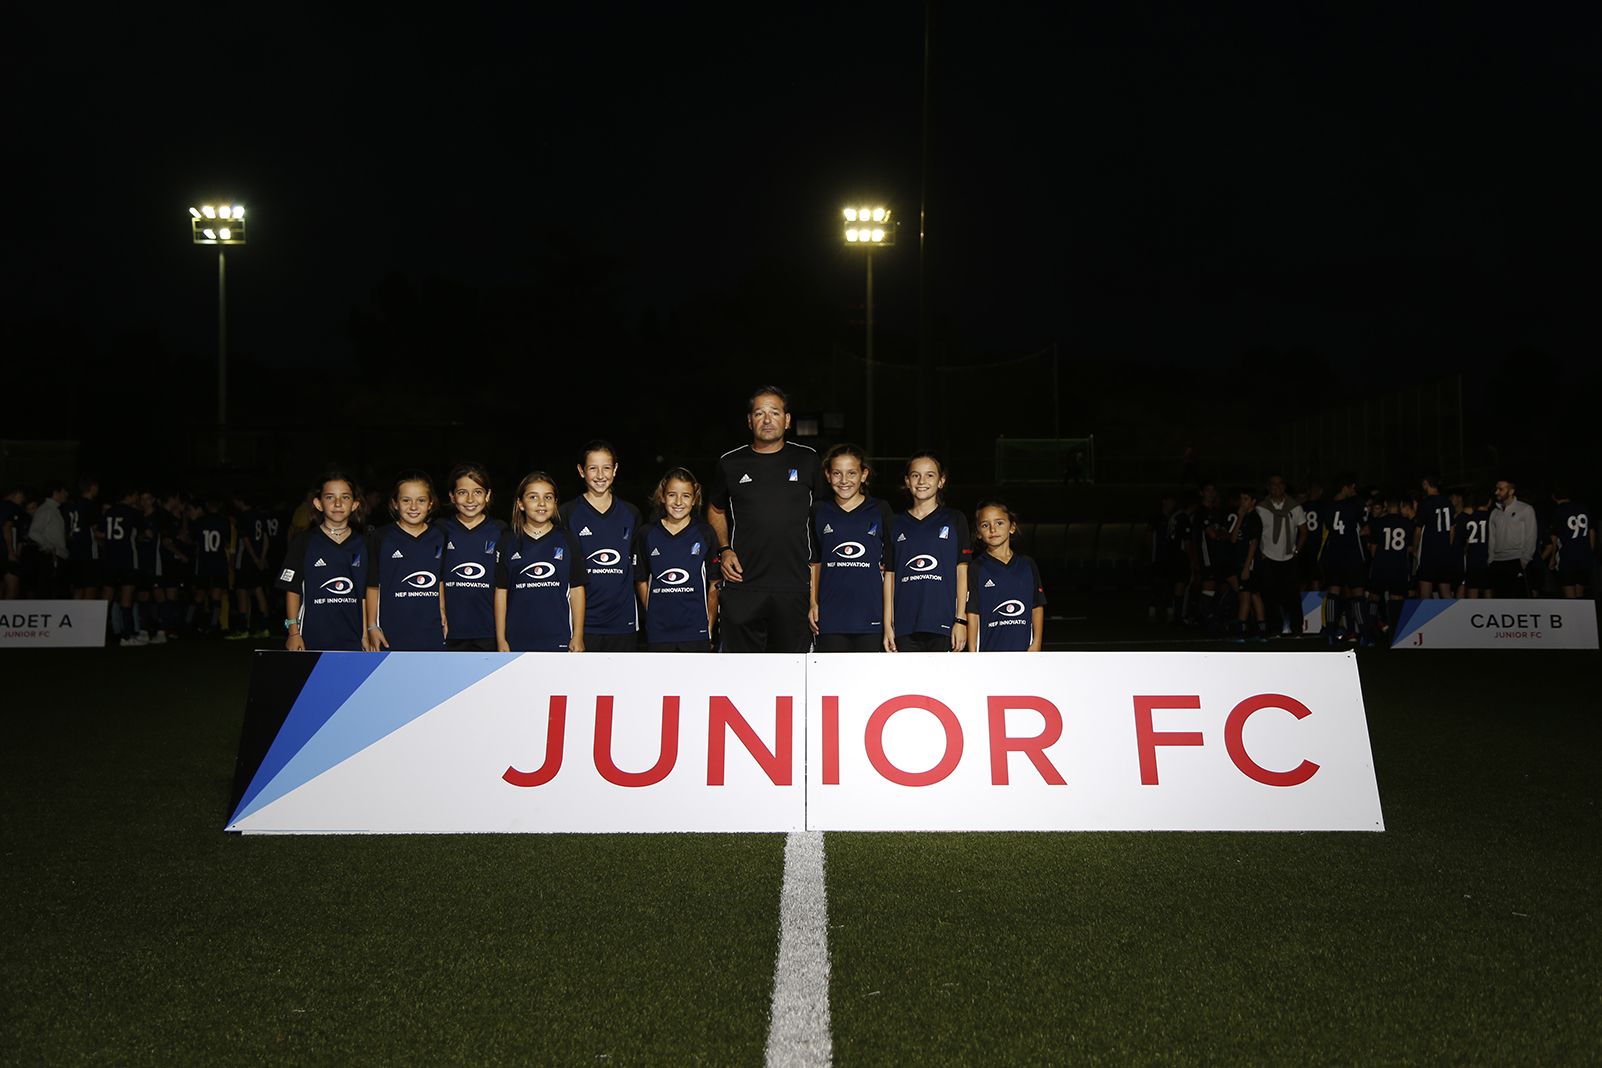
[[517, 498], [676, 474], [473, 471], [413, 474], [1431, 479], [763, 391], [845, 448], [596, 445]]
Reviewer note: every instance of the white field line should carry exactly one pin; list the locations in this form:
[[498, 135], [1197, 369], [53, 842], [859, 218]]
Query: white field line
[[798, 1026]]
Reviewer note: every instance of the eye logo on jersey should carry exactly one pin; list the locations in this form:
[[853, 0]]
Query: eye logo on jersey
[[340, 584], [674, 576], [850, 550], [420, 580], [469, 570], [922, 562], [539, 569], [1010, 608], [605, 558]]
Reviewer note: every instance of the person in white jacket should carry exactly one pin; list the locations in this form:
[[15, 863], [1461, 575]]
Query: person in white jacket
[[1511, 538], [48, 530]]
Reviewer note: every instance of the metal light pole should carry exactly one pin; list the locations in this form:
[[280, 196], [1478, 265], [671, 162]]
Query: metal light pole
[[225, 225], [868, 229]]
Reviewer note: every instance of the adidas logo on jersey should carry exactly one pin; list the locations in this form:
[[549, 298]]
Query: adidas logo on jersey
[[745, 478], [397, 555], [990, 583], [901, 537], [827, 529], [656, 552], [450, 545], [584, 533], [320, 563], [517, 556]]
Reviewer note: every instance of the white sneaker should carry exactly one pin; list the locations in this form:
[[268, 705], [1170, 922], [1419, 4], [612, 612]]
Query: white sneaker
[[134, 640], [159, 638]]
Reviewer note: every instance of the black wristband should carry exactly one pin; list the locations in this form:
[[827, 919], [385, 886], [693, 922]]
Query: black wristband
[[959, 622], [724, 549]]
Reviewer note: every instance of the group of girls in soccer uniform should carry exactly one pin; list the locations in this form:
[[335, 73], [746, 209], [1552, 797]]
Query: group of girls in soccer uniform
[[590, 574]]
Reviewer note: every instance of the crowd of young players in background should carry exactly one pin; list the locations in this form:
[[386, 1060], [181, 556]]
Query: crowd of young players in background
[[1365, 551], [588, 573], [437, 576]]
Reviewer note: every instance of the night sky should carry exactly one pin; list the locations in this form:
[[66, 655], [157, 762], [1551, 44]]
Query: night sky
[[1405, 193]]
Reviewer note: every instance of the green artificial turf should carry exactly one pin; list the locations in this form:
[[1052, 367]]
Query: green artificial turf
[[135, 930], [1467, 933]]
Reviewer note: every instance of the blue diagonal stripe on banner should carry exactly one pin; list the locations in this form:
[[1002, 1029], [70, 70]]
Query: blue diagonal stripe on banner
[[334, 678], [1417, 613], [401, 689]]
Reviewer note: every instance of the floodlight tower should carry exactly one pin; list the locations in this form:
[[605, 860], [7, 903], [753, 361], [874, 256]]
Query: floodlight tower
[[869, 228], [211, 224]]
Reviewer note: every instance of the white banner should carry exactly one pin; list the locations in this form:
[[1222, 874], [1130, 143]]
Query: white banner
[[436, 742], [454, 742], [52, 624], [1494, 623], [1089, 741]]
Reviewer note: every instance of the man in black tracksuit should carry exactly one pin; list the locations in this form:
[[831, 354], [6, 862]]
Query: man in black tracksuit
[[760, 509]]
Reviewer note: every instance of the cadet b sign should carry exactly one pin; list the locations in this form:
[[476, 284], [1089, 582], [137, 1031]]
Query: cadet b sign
[[546, 742], [1489, 623], [52, 624]]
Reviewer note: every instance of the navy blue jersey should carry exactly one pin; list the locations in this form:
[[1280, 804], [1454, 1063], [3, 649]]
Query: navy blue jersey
[[1343, 542], [1004, 597], [1435, 546], [674, 568], [538, 574], [1571, 526], [330, 578], [1393, 537], [181, 543], [406, 570], [470, 576], [1173, 535], [168, 548], [80, 515], [148, 543], [854, 549], [1315, 517], [607, 541], [925, 556], [120, 525], [251, 531], [1251, 529], [1474, 539], [211, 533]]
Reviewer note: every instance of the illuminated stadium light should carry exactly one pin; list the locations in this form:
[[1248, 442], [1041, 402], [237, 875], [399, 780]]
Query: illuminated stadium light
[[203, 231], [881, 234]]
